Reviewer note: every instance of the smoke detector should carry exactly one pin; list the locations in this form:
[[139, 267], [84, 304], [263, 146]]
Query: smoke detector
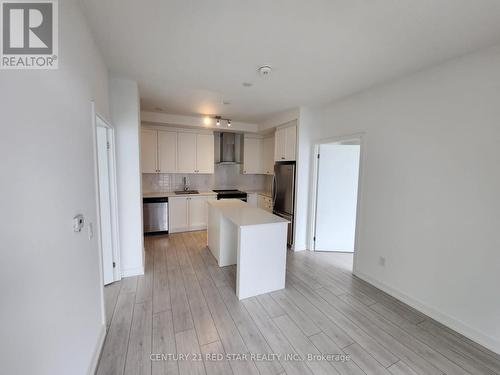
[[264, 70]]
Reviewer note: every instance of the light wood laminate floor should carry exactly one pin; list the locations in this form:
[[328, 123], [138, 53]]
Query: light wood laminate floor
[[185, 304]]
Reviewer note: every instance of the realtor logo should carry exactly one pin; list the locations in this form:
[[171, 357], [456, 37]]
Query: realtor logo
[[29, 34]]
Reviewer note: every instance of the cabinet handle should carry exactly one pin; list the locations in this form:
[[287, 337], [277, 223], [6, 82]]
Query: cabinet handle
[[282, 157]]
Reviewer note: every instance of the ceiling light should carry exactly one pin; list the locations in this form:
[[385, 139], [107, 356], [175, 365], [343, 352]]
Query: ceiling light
[[218, 121], [206, 120], [228, 123]]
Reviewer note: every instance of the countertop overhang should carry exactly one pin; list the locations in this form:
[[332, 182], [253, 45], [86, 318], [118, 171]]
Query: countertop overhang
[[242, 214]]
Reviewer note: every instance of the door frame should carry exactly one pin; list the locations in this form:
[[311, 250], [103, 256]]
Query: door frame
[[361, 138], [100, 121]]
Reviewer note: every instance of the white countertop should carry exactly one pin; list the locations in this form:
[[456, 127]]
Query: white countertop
[[172, 194], [260, 192], [242, 214]]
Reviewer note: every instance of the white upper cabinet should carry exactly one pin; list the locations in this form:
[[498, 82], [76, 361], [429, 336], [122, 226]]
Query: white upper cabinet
[[170, 151], [148, 151], [279, 144], [195, 153], [268, 155], [186, 153], [167, 151], [204, 153], [285, 143], [291, 142], [252, 156]]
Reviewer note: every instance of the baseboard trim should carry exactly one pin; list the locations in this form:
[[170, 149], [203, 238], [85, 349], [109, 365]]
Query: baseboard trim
[[97, 351], [454, 324], [133, 272], [299, 247]]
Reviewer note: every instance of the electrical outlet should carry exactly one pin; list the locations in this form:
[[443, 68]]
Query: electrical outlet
[[381, 261]]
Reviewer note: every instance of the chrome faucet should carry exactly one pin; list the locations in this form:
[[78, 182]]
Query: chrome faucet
[[186, 183]]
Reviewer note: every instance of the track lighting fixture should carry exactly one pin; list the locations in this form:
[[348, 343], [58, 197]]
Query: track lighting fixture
[[219, 118]]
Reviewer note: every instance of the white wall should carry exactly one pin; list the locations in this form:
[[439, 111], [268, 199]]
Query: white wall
[[306, 126], [430, 200], [51, 311], [125, 111]]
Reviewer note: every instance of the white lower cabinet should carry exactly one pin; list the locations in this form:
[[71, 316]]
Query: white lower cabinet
[[198, 212], [188, 213], [265, 202], [178, 214]]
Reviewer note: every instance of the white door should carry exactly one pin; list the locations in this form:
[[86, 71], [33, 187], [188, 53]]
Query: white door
[[290, 142], [186, 152], [105, 203], [198, 212], [337, 196], [252, 156], [149, 153], [167, 151], [178, 219], [205, 153]]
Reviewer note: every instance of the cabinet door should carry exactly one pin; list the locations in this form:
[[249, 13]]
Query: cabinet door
[[198, 212], [186, 153], [279, 145], [252, 199], [205, 153], [291, 141], [252, 156], [268, 155], [178, 214], [265, 203], [167, 151], [149, 147]]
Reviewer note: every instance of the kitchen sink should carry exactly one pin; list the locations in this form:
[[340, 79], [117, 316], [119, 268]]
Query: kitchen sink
[[187, 192]]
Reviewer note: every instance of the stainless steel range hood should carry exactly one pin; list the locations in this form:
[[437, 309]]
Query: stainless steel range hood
[[229, 148]]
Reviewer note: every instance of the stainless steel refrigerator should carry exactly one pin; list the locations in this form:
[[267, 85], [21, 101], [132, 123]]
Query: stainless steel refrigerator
[[284, 193]]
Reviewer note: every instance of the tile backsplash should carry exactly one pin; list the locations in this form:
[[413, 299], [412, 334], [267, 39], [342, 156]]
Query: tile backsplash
[[225, 176]]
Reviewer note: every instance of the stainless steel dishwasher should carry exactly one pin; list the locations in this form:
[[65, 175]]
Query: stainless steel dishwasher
[[155, 215]]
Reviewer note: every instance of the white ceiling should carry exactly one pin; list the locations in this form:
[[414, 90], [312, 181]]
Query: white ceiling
[[188, 56]]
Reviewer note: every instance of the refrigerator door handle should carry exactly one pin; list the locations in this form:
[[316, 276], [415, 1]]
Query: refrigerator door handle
[[275, 188]]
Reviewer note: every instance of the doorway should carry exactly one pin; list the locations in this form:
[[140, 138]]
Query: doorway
[[336, 196], [107, 201]]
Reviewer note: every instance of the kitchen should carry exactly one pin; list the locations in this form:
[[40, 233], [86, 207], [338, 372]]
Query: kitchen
[[184, 169]]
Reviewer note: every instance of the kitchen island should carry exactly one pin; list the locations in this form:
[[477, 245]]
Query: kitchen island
[[251, 238]]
